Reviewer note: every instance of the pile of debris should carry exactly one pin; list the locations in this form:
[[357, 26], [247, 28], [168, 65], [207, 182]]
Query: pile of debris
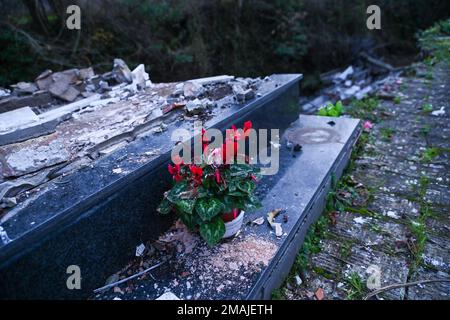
[[65, 120], [354, 82], [52, 89]]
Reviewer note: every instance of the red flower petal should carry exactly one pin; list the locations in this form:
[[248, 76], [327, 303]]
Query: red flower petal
[[247, 126], [218, 176]]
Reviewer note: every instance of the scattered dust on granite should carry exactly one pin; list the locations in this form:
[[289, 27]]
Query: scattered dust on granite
[[249, 252]]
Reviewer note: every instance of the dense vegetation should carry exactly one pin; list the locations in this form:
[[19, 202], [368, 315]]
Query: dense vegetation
[[179, 39]]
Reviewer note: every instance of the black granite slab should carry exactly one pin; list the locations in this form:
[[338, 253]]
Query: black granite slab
[[94, 218]]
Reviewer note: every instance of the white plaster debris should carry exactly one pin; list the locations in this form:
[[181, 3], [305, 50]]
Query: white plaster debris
[[392, 214], [16, 118], [298, 280], [439, 112], [140, 250], [347, 72], [360, 220], [4, 236], [168, 296]]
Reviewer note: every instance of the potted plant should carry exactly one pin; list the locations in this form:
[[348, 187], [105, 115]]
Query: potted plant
[[213, 196]]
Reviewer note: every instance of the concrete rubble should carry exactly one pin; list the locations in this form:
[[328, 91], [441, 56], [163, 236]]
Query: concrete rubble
[[354, 82], [73, 117]]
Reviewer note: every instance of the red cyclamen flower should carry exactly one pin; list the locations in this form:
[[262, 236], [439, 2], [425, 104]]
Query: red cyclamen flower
[[197, 173], [175, 171]]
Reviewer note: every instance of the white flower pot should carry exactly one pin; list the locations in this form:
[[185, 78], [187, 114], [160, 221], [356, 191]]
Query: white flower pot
[[232, 227]]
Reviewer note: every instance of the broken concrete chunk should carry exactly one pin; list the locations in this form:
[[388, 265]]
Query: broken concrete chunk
[[63, 91], [245, 95], [345, 74], [4, 92], [16, 119], [25, 88], [68, 76], [86, 73], [8, 202], [27, 160], [10, 189], [363, 92], [44, 80], [192, 89], [241, 93], [140, 77], [195, 107], [121, 72]]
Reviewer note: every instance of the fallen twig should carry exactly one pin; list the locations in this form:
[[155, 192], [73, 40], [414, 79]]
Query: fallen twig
[[400, 285], [108, 286]]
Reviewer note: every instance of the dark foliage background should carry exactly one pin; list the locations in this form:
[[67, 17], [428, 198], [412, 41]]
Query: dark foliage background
[[180, 39]]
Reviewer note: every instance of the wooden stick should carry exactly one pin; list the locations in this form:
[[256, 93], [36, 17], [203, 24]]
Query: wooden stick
[[129, 278], [399, 285]]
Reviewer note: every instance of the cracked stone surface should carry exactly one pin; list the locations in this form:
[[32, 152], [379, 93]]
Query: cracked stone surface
[[406, 191]]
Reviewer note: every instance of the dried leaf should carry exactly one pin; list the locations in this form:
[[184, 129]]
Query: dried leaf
[[272, 215], [333, 217]]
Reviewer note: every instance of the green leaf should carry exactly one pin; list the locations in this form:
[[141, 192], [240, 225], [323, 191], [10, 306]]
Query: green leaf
[[237, 193], [174, 193], [202, 192], [208, 208], [253, 203], [247, 186], [164, 207], [213, 231], [323, 112], [188, 219], [185, 205], [333, 113], [232, 187], [240, 170], [339, 107]]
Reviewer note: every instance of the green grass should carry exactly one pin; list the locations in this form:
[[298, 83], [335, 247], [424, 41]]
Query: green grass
[[387, 133], [363, 109], [311, 245], [357, 287], [417, 226], [397, 100], [278, 294], [427, 108], [431, 153], [425, 130]]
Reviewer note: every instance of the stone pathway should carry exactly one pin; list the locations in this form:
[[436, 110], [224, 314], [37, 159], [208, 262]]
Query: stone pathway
[[389, 216]]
